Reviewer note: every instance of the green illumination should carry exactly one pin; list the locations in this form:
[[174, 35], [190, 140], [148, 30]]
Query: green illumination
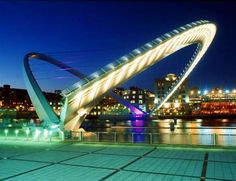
[[16, 132], [45, 133], [6, 132], [27, 131], [36, 134]]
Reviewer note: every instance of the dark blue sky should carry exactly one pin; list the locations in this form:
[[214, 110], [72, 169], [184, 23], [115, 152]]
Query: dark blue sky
[[89, 35]]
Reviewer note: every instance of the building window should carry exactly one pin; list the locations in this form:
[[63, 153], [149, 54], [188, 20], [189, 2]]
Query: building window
[[140, 96]]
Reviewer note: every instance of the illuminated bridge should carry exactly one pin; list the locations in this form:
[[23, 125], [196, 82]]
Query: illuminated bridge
[[82, 96]]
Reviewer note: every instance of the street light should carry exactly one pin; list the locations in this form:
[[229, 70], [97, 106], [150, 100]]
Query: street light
[[45, 134], [36, 134], [6, 132], [50, 135], [27, 133], [16, 132]]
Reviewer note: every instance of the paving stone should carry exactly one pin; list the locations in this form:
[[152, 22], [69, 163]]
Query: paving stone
[[80, 148], [220, 170], [227, 156], [13, 167], [49, 156], [119, 150], [64, 172], [100, 160], [177, 154], [167, 166], [139, 176]]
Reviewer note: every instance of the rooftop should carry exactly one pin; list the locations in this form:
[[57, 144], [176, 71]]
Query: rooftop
[[75, 161]]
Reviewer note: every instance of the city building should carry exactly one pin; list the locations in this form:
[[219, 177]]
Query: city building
[[214, 102], [163, 85], [217, 101], [142, 98], [138, 97], [178, 102], [18, 99], [12, 98]]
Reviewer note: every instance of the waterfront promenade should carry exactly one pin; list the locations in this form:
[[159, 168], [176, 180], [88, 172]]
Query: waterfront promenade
[[75, 161]]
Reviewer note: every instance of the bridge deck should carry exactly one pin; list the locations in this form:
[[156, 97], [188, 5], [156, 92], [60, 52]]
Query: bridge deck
[[60, 161]]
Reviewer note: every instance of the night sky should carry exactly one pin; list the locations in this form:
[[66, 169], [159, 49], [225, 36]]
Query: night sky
[[89, 35]]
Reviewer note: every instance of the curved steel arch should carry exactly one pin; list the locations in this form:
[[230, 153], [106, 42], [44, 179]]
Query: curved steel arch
[[82, 96], [42, 107]]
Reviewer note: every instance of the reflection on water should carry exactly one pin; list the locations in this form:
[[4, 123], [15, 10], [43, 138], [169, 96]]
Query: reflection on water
[[138, 130], [197, 131], [197, 126]]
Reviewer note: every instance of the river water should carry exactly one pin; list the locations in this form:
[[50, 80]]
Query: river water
[[194, 126], [195, 131]]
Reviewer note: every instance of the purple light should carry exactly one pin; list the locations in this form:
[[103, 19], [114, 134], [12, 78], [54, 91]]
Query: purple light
[[137, 123], [137, 113]]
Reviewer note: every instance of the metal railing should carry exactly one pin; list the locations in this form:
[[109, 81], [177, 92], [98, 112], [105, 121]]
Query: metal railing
[[156, 138], [122, 137]]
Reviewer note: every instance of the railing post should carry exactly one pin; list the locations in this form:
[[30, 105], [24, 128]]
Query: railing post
[[189, 138], [81, 136], [150, 134], [215, 139], [132, 138], [98, 137], [115, 137]]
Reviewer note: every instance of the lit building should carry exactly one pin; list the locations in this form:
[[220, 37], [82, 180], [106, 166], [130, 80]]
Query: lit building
[[162, 86], [18, 99], [216, 102], [108, 106], [177, 102], [12, 98], [138, 97], [55, 101], [141, 98]]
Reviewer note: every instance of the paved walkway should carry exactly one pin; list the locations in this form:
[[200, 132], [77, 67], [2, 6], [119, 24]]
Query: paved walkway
[[65, 161]]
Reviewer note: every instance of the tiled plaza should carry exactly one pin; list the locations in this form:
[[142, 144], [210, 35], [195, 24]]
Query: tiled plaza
[[39, 161]]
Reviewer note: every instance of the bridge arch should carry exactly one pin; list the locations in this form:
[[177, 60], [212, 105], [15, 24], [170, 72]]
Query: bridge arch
[[82, 96], [42, 107]]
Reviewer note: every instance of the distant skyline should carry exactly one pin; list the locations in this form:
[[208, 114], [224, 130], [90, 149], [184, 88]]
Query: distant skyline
[[89, 35]]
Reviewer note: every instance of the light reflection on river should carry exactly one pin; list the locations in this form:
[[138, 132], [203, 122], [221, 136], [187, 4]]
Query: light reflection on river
[[196, 131], [197, 126]]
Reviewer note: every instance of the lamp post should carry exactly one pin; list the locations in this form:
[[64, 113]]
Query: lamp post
[[6, 132], [36, 134], [16, 132], [45, 134], [27, 133], [50, 135]]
